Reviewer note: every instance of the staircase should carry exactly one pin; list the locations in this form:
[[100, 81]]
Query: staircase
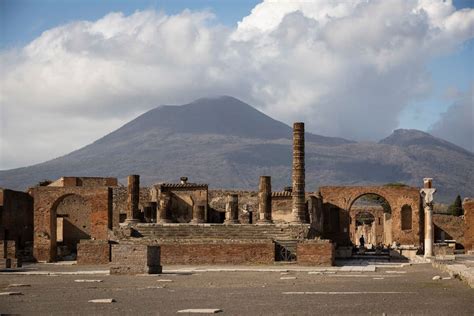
[[221, 232]]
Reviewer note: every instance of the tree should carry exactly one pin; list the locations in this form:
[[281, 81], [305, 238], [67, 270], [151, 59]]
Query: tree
[[456, 208]]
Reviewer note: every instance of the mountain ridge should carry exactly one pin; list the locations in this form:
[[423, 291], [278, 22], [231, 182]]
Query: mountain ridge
[[228, 144]]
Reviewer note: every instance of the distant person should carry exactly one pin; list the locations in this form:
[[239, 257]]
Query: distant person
[[362, 241]]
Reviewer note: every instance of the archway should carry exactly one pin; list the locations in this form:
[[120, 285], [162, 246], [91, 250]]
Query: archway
[[73, 223], [371, 217]]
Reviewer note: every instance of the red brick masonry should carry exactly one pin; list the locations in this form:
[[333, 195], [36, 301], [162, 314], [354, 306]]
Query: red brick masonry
[[93, 252], [315, 253]]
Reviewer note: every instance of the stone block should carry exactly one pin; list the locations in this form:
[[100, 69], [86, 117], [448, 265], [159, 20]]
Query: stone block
[[135, 259]]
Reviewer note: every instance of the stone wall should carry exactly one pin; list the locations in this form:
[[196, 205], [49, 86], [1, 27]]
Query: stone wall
[[468, 206], [218, 252], [16, 212], [93, 252], [315, 253], [248, 201], [76, 220], [128, 258], [84, 182], [452, 226]]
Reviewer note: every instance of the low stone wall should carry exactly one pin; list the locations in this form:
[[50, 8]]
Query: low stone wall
[[128, 258], [441, 249], [9, 255], [93, 252], [315, 253], [218, 252]]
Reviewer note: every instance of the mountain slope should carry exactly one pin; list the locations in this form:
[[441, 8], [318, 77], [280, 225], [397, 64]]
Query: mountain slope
[[228, 144]]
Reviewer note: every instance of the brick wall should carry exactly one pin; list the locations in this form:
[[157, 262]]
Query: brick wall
[[129, 258], [315, 253], [16, 222], [219, 252], [468, 206], [119, 202], [93, 252]]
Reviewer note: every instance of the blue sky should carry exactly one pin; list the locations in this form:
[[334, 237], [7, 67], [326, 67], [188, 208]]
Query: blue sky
[[450, 78]]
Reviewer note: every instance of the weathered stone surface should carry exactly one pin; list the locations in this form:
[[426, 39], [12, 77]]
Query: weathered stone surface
[[232, 209], [468, 206], [103, 300], [298, 176], [315, 253], [16, 217], [133, 198], [265, 200], [93, 252], [128, 258]]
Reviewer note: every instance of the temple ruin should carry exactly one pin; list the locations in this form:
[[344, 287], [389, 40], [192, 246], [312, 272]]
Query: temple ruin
[[137, 229]]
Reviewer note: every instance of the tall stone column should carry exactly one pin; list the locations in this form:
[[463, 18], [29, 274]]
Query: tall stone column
[[265, 200], [427, 193], [298, 177], [199, 214], [133, 198], [232, 209], [164, 202]]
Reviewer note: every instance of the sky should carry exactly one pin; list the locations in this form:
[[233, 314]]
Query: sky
[[73, 71]]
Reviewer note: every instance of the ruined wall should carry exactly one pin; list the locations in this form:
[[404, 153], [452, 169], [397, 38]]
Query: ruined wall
[[468, 206], [218, 252], [340, 199], [16, 217], [84, 182], [248, 200], [129, 258], [452, 226], [119, 202], [315, 253], [46, 201], [377, 227]]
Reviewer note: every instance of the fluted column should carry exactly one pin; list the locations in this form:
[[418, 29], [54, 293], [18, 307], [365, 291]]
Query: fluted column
[[298, 176], [133, 198], [427, 193], [232, 209], [265, 200]]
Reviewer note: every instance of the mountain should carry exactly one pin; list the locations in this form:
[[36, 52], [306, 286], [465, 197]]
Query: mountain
[[229, 144]]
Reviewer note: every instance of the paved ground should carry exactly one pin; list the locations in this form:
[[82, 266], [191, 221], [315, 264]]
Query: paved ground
[[389, 290]]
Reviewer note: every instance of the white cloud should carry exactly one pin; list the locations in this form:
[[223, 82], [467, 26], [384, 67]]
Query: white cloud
[[347, 68], [457, 123]]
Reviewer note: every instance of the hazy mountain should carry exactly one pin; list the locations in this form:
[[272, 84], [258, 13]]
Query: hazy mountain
[[229, 144]]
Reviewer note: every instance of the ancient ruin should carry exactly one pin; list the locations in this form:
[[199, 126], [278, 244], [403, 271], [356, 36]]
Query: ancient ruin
[[138, 229]]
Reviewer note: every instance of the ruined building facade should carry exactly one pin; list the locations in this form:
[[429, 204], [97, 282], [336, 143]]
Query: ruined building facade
[[89, 218]]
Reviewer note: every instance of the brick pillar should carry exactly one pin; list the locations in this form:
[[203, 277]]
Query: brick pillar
[[133, 212], [468, 208], [232, 209], [164, 200], [427, 193], [265, 200], [298, 197], [199, 214]]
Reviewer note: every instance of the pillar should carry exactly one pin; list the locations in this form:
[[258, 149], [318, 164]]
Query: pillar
[[427, 193], [133, 198], [265, 200], [232, 209], [199, 214], [298, 176], [164, 202]]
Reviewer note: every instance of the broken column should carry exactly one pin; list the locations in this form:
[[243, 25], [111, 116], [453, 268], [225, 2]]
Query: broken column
[[427, 193], [265, 200], [164, 202], [232, 209], [298, 192], [133, 198]]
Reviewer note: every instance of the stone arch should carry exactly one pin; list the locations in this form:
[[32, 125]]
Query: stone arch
[[343, 197], [74, 212]]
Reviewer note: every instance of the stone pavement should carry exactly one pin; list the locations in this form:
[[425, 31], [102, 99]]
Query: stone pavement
[[461, 267]]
